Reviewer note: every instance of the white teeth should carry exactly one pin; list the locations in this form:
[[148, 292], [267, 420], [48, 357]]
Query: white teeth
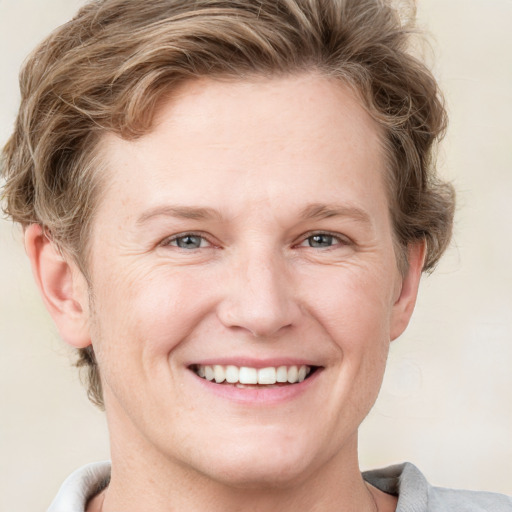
[[293, 374], [282, 374], [220, 373], [247, 375], [231, 374], [267, 376], [209, 373]]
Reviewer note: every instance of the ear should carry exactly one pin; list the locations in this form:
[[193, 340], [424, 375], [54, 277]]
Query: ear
[[62, 285], [408, 291]]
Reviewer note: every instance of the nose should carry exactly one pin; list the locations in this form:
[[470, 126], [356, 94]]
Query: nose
[[259, 296]]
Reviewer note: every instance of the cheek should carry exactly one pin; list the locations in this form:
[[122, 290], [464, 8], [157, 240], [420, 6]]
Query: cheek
[[149, 313], [355, 312], [138, 320], [354, 305]]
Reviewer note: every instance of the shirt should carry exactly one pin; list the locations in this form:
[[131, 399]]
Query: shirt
[[406, 481]]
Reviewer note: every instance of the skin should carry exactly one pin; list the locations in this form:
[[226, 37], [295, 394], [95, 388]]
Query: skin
[[270, 163]]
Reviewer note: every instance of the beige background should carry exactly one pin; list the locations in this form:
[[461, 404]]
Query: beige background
[[446, 402]]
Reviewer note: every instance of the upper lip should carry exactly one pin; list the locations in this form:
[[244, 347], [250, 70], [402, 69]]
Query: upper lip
[[253, 362]]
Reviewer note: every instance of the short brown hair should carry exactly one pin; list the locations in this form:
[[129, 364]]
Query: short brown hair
[[107, 69]]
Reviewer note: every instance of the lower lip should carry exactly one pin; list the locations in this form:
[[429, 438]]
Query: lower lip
[[258, 395]]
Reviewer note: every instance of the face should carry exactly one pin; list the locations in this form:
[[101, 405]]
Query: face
[[244, 242]]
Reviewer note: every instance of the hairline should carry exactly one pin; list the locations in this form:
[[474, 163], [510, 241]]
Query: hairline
[[97, 162]]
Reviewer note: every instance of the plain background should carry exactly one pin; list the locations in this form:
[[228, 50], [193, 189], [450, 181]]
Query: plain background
[[446, 402]]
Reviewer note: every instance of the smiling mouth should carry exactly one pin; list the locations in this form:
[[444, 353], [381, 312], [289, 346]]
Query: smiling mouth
[[244, 376]]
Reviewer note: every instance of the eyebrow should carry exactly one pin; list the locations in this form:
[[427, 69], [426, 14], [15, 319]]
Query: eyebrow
[[312, 211], [326, 211], [180, 212]]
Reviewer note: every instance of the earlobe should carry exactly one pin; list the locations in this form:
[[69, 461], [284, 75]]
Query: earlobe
[[406, 300], [63, 287]]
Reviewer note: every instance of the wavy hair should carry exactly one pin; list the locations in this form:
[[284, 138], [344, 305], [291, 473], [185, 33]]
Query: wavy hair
[[107, 69]]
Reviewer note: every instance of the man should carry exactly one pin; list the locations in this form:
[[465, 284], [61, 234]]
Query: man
[[228, 209]]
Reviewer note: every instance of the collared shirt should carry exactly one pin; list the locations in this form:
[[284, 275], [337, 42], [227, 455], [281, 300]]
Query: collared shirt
[[406, 481], [415, 494]]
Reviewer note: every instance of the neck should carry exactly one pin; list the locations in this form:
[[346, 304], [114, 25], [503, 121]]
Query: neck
[[139, 484], [144, 478]]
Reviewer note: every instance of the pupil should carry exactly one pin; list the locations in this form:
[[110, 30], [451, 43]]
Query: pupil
[[321, 241], [189, 242]]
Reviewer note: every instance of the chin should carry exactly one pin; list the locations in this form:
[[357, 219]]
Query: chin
[[259, 474], [261, 463]]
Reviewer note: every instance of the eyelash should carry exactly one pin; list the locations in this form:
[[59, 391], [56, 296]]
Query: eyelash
[[336, 240], [169, 240]]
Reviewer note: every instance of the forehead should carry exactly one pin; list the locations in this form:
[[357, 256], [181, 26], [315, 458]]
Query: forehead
[[263, 140]]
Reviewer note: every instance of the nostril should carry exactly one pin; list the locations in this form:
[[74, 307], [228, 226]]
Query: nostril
[[264, 323], [258, 298]]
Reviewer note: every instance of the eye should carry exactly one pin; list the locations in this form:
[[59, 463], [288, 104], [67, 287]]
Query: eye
[[188, 241], [323, 241], [320, 240]]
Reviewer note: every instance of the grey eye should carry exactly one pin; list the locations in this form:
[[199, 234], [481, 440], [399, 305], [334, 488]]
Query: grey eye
[[189, 241], [321, 240]]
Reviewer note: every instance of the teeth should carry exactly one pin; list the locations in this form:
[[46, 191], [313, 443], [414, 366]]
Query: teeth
[[231, 374], [293, 374], [282, 374], [267, 376], [209, 373], [246, 375], [220, 373]]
